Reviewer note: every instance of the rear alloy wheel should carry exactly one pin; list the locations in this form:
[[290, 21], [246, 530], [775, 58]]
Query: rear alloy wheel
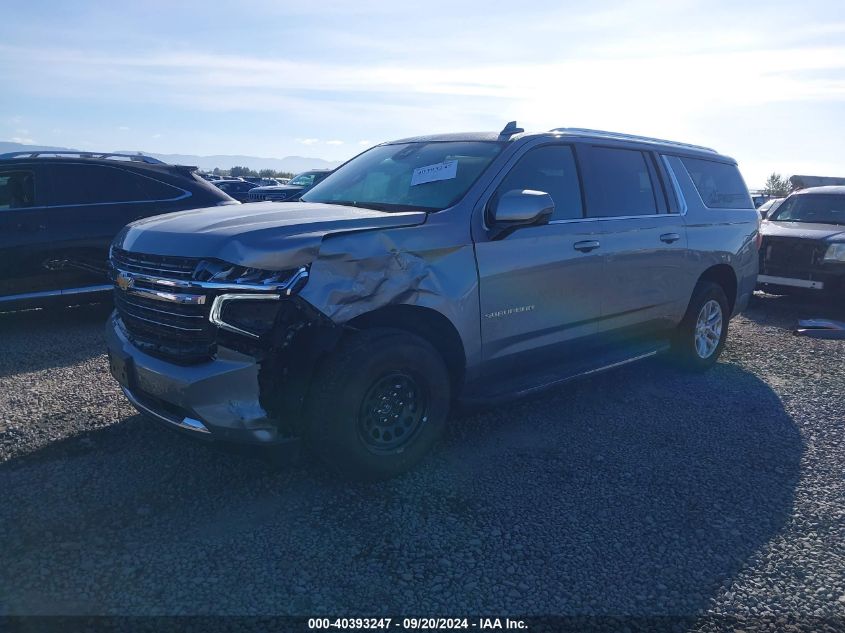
[[700, 337], [708, 329], [378, 403]]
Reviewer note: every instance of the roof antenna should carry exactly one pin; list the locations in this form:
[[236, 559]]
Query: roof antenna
[[509, 130]]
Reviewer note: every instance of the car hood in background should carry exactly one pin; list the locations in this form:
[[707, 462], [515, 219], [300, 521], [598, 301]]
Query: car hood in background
[[804, 230], [267, 235], [269, 188]]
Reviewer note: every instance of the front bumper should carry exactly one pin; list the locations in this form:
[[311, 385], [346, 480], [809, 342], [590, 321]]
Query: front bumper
[[218, 399], [797, 264], [827, 280], [773, 280]]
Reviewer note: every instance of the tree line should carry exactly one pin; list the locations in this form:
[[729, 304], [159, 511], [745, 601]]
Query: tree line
[[777, 186]]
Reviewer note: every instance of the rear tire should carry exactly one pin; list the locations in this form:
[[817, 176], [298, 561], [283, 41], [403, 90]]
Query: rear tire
[[378, 404], [700, 337]]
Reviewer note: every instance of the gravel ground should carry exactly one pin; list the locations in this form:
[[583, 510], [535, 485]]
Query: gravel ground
[[638, 492]]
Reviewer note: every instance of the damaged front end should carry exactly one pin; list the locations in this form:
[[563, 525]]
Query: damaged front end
[[215, 349], [294, 336]]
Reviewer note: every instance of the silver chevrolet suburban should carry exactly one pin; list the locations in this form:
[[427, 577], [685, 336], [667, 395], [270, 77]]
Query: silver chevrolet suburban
[[424, 271]]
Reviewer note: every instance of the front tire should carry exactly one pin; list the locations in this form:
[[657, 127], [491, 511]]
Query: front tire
[[701, 335], [378, 404]]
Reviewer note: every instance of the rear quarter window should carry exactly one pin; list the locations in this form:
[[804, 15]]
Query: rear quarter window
[[75, 184], [157, 190], [719, 184], [94, 184]]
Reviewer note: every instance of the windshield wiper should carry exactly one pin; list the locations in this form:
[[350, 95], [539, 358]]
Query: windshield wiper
[[347, 203]]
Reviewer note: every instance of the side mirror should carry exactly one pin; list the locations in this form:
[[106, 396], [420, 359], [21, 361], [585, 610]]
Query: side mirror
[[521, 207]]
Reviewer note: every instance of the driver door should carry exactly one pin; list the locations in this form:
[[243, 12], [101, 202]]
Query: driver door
[[540, 286]]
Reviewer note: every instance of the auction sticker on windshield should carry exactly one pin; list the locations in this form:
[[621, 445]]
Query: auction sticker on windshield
[[430, 173]]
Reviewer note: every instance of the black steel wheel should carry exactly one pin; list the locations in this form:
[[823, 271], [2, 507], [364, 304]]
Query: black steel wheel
[[378, 404], [393, 411]]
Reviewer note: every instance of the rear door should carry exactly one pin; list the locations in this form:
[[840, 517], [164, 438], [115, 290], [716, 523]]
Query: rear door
[[91, 203], [540, 286], [24, 239], [643, 239]]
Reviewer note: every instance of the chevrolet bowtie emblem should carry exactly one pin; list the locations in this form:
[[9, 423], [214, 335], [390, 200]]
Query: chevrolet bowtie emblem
[[124, 281]]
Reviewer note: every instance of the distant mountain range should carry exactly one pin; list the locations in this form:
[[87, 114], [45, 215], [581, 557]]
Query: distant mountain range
[[294, 164]]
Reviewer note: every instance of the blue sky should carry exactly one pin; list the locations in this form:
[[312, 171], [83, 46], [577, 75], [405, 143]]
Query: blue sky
[[761, 81]]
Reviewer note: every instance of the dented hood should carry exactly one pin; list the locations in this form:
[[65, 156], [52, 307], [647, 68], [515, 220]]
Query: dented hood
[[269, 235]]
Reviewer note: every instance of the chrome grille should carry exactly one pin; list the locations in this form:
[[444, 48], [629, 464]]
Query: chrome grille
[[167, 304], [280, 196], [171, 316], [175, 330], [272, 196], [154, 265]]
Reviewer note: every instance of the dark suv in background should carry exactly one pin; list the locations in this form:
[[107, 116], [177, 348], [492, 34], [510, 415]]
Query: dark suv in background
[[59, 211], [803, 246], [236, 188], [297, 186]]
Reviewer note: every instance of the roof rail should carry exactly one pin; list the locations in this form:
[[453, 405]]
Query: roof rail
[[580, 131], [138, 158]]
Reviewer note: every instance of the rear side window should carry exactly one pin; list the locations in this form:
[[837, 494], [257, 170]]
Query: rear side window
[[622, 183], [98, 184], [92, 184], [719, 184], [157, 190], [550, 169], [17, 189]]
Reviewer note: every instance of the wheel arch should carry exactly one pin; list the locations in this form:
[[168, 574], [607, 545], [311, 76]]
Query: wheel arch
[[725, 276], [426, 323]]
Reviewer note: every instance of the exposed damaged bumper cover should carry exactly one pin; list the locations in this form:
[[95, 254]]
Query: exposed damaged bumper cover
[[214, 400]]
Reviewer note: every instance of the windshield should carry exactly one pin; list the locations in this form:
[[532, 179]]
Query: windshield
[[816, 208], [304, 180], [407, 176]]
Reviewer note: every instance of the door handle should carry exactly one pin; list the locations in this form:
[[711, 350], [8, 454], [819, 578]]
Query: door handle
[[586, 246], [670, 237], [26, 227]]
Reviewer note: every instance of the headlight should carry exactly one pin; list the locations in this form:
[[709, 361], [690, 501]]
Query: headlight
[[251, 315], [222, 272], [835, 253]]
